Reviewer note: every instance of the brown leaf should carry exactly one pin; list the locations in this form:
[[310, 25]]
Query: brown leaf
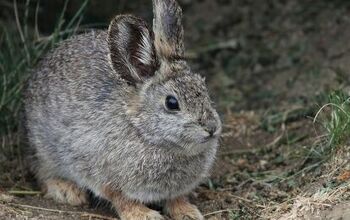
[[344, 176]]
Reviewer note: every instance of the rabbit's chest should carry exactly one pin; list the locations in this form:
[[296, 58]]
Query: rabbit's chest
[[163, 179]]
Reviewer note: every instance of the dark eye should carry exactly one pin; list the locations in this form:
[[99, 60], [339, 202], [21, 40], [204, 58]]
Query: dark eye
[[171, 103]]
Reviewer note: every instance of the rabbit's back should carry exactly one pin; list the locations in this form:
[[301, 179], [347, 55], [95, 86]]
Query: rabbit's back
[[74, 69], [68, 94]]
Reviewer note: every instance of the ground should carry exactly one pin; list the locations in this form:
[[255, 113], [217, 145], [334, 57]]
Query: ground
[[270, 68]]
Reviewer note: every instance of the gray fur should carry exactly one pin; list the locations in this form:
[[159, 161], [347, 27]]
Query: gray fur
[[168, 29], [88, 124]]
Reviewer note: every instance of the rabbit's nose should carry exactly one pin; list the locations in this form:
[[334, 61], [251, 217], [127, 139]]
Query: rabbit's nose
[[211, 128]]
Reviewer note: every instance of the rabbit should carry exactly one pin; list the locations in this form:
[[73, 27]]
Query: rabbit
[[120, 113]]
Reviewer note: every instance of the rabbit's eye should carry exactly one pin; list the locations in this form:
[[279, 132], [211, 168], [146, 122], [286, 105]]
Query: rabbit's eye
[[171, 103]]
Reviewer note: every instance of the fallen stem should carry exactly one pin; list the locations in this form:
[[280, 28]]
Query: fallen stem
[[21, 192], [82, 214], [220, 211]]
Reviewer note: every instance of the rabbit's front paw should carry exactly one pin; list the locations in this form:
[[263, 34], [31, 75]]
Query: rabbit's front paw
[[141, 214], [129, 209], [181, 209], [64, 192]]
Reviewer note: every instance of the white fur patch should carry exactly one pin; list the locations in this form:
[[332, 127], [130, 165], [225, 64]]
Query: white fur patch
[[124, 36], [145, 52]]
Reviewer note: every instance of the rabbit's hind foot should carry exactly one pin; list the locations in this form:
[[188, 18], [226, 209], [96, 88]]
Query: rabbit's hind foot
[[64, 191]]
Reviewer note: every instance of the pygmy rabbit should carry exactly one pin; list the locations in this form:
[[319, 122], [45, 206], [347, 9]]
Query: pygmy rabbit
[[120, 113]]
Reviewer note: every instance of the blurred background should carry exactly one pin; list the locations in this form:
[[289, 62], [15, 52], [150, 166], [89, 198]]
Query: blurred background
[[278, 71]]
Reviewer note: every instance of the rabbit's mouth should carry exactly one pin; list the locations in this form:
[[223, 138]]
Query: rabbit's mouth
[[208, 139], [194, 145], [202, 146]]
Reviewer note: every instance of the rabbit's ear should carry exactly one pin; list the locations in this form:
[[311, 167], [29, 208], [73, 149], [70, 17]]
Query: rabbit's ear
[[132, 51], [168, 29]]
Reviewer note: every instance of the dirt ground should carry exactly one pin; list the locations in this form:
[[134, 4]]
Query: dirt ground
[[269, 67]]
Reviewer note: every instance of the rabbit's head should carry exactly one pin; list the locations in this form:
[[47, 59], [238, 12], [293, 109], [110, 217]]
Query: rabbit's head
[[169, 105]]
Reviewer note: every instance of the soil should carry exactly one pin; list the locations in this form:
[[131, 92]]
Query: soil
[[269, 67]]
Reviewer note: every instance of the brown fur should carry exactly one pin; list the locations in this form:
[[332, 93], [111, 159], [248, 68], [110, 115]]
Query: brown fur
[[129, 209], [180, 209], [64, 192], [165, 50]]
